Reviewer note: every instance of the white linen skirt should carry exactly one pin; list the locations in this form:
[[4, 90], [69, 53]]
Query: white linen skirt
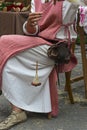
[[18, 74]]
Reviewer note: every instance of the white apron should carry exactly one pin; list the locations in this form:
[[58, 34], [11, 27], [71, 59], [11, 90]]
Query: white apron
[[18, 75]]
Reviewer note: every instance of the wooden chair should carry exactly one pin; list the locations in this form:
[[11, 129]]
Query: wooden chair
[[70, 80]]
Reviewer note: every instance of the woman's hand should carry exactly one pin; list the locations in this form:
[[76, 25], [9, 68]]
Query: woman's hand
[[32, 21], [34, 18]]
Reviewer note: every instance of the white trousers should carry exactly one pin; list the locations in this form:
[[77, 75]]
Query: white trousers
[[18, 75]]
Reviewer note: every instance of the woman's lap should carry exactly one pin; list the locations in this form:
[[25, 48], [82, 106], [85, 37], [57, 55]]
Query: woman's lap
[[18, 74]]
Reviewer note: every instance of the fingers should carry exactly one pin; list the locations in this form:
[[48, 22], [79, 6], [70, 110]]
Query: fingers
[[36, 14]]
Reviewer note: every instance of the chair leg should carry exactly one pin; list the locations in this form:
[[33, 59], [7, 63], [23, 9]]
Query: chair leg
[[68, 86]]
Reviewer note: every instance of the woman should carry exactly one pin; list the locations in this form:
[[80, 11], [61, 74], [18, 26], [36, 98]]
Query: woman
[[22, 55]]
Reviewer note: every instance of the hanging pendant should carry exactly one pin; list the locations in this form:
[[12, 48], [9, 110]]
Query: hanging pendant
[[36, 78]]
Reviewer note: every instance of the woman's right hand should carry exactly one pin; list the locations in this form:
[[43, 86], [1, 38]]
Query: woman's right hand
[[32, 21], [34, 18]]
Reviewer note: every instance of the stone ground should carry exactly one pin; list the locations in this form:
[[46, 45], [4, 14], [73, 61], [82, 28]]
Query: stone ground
[[70, 117]]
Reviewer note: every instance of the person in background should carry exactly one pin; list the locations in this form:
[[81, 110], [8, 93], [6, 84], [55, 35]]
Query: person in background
[[21, 57]]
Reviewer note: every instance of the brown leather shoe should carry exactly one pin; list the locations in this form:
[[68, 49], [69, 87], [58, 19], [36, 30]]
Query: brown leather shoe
[[13, 119]]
